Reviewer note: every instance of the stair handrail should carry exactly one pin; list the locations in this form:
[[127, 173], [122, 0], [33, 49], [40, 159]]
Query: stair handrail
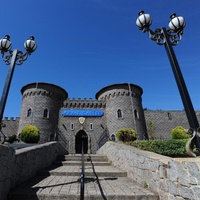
[[104, 137], [97, 178], [82, 177]]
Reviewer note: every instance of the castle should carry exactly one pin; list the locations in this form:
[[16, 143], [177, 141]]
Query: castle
[[74, 122]]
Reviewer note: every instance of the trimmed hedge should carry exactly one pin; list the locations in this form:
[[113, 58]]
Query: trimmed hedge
[[126, 134], [30, 134], [179, 133], [172, 148]]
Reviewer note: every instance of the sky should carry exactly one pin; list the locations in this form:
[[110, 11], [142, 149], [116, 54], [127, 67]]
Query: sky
[[85, 45]]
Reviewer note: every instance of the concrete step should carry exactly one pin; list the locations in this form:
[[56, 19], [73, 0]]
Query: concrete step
[[61, 181], [68, 188], [76, 170], [77, 157], [79, 163]]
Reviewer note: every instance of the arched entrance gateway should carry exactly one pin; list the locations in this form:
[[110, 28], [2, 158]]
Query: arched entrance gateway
[[81, 141]]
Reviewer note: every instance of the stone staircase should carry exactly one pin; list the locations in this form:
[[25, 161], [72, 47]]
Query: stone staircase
[[61, 181]]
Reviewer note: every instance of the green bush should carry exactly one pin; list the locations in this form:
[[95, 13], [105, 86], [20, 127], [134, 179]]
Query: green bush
[[12, 139], [151, 130], [126, 135], [179, 133], [30, 134], [171, 147]]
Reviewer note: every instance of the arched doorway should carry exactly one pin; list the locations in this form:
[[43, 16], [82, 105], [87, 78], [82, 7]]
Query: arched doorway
[[81, 139]]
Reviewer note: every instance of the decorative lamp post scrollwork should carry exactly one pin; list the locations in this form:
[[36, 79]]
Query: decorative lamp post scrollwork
[[12, 58], [169, 38]]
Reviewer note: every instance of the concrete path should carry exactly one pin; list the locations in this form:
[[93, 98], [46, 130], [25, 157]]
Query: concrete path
[[61, 181]]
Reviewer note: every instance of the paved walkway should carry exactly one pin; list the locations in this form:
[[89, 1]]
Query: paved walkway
[[62, 182]]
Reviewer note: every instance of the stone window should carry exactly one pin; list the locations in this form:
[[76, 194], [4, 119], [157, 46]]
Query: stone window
[[136, 114], [46, 113], [169, 116], [29, 112], [91, 126], [119, 114], [72, 126]]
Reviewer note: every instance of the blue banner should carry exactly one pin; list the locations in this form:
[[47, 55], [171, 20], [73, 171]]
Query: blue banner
[[82, 113]]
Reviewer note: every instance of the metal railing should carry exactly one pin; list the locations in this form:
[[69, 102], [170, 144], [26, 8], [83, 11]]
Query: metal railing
[[103, 138], [82, 176], [97, 179]]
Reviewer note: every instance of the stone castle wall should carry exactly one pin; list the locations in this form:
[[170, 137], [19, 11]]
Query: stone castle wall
[[68, 127], [127, 98], [164, 121], [11, 127], [38, 97]]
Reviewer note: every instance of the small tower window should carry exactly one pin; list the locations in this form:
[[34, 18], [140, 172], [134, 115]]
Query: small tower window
[[72, 126], [29, 112], [136, 114], [91, 126], [46, 113], [169, 116], [119, 114]]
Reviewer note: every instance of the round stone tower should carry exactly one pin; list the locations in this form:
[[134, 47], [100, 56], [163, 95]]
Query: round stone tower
[[124, 108], [40, 107]]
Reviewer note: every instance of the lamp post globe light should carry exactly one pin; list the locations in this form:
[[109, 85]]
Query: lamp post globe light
[[12, 58], [170, 38]]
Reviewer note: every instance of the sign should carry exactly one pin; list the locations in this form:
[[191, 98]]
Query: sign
[[82, 113]]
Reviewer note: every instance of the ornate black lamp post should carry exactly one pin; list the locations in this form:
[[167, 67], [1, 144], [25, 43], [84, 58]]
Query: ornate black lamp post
[[12, 58], [171, 38]]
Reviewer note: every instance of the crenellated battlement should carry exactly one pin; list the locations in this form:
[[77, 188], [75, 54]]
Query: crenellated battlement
[[114, 94], [41, 93], [83, 103], [80, 99], [11, 119], [44, 89], [124, 89]]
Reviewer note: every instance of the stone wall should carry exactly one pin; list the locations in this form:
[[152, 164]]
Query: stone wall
[[171, 178], [164, 121], [128, 99], [11, 126], [19, 165], [41, 103]]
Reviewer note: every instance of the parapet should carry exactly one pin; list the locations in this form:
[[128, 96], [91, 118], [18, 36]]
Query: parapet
[[83, 103], [11, 119], [122, 89]]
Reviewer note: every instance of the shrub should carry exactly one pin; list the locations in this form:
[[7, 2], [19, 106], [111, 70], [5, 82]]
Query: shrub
[[12, 139], [30, 134], [126, 135], [151, 130], [171, 147], [179, 133]]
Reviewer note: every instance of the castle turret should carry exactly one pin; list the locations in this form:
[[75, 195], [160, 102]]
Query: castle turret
[[124, 108], [40, 107]]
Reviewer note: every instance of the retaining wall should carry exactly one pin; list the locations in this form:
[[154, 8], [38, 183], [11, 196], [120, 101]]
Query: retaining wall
[[171, 178], [17, 166]]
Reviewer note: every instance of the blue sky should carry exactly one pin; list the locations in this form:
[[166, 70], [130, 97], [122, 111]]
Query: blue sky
[[85, 45]]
